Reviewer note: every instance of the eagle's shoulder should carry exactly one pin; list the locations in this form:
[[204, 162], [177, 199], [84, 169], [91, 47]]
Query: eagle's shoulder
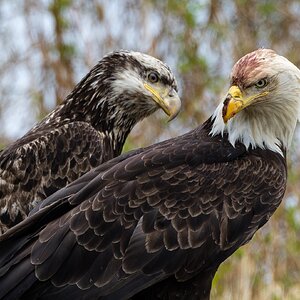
[[44, 161]]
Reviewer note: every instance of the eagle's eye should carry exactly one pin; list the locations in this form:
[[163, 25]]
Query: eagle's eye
[[153, 77], [261, 83]]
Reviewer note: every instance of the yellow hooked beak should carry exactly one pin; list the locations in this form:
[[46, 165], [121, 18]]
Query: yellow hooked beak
[[167, 99], [235, 102]]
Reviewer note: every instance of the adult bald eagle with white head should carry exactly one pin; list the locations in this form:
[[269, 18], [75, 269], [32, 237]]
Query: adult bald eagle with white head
[[87, 129], [157, 222]]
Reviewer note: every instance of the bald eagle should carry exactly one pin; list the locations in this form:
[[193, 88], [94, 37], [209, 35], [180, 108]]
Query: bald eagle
[[157, 222], [87, 129]]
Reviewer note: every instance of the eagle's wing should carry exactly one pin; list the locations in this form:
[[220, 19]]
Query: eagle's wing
[[171, 210], [43, 162]]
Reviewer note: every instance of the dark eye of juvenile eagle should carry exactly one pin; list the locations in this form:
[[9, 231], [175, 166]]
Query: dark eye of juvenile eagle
[[262, 104]]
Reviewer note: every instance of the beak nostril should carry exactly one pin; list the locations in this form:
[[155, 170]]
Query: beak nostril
[[225, 104], [227, 99]]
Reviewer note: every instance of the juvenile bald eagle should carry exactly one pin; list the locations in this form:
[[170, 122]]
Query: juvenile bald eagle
[[157, 222], [87, 129]]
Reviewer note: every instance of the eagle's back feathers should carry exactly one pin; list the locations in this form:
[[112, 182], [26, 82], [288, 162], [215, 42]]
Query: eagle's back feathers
[[45, 163], [171, 205]]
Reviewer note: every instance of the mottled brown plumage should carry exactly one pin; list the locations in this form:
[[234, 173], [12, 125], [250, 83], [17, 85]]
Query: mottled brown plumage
[[87, 129], [168, 211], [157, 222]]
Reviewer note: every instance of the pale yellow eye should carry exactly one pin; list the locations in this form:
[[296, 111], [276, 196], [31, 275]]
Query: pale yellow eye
[[261, 83]]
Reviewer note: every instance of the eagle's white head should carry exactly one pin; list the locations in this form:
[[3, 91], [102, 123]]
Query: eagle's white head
[[263, 103]]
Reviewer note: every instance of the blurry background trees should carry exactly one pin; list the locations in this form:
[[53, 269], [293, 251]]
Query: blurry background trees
[[48, 45]]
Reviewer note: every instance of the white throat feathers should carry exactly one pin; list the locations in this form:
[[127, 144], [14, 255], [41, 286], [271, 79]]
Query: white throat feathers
[[269, 122]]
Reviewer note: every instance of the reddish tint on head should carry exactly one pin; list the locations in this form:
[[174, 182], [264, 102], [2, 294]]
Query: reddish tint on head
[[251, 67]]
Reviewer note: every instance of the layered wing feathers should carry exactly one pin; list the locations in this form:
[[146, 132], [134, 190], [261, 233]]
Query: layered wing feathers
[[44, 162], [168, 210]]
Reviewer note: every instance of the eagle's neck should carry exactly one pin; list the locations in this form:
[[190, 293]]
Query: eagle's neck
[[266, 126], [101, 111], [111, 112]]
